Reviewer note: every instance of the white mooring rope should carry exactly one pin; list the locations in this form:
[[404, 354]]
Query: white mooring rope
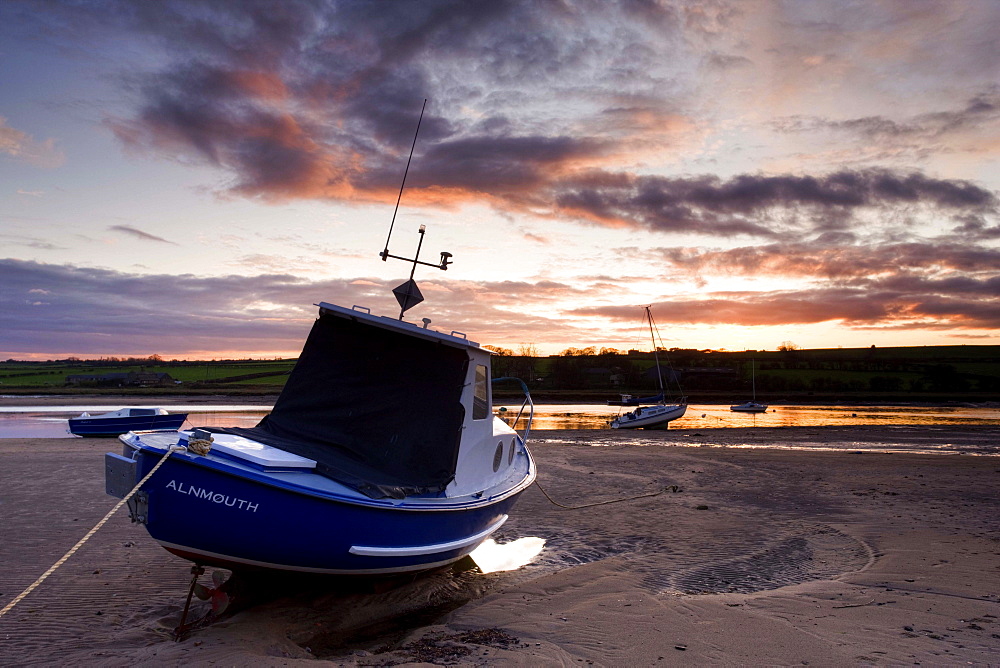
[[7, 608]]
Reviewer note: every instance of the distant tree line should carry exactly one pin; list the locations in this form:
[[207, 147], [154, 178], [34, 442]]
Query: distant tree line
[[951, 369]]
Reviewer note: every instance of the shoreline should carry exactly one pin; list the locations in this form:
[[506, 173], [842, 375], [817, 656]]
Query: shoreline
[[761, 556], [125, 399], [11, 397]]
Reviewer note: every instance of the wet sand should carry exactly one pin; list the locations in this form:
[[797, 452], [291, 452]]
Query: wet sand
[[761, 556]]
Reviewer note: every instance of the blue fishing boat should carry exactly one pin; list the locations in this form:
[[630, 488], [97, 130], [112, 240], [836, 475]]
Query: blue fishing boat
[[124, 420], [381, 455]]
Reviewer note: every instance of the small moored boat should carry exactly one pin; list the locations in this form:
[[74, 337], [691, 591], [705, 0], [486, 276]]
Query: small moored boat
[[124, 420], [649, 417], [751, 406]]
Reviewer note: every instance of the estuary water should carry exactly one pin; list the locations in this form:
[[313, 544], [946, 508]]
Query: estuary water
[[50, 421]]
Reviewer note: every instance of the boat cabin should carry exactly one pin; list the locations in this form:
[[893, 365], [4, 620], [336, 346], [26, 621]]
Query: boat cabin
[[390, 408]]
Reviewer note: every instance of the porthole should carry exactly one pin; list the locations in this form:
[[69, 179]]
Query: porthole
[[497, 457], [510, 455]]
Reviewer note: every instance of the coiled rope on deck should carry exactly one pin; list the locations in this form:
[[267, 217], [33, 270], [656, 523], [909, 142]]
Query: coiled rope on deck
[[17, 599], [670, 488]]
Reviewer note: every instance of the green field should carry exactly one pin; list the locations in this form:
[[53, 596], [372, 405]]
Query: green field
[[26, 375], [931, 373]]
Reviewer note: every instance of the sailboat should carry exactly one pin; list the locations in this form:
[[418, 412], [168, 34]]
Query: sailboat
[[751, 406], [654, 416]]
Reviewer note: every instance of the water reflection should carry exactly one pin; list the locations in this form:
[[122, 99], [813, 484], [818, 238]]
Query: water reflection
[[708, 416], [43, 421], [492, 557]]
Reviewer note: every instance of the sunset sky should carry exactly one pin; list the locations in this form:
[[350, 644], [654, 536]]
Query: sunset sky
[[188, 178]]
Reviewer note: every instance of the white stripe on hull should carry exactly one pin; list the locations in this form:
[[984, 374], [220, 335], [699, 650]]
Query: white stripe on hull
[[418, 550]]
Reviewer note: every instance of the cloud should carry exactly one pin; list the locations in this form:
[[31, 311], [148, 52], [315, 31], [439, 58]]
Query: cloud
[[89, 311], [327, 107], [653, 120], [30, 242], [545, 109], [102, 312], [139, 234], [855, 308], [320, 101], [839, 259], [22, 146], [756, 205], [969, 128]]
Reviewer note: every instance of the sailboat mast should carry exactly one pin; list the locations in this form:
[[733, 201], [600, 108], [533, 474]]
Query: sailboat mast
[[659, 374], [753, 380]]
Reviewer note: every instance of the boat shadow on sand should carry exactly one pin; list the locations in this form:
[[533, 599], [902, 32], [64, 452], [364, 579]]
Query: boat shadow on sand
[[331, 616]]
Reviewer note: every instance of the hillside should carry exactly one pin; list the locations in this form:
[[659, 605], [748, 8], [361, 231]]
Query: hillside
[[905, 374]]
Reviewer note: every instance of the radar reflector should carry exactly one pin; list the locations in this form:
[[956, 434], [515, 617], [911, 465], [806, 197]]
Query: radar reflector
[[408, 295]]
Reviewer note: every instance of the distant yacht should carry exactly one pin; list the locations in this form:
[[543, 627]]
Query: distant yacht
[[649, 417], [751, 406]]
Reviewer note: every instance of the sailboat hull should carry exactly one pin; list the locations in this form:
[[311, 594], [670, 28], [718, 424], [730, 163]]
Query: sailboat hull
[[749, 407], [652, 417]]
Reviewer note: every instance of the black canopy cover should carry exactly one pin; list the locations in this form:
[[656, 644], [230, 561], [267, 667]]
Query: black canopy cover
[[377, 409]]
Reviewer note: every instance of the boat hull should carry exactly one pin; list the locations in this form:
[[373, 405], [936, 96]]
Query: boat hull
[[114, 426], [205, 514], [654, 417], [749, 407]]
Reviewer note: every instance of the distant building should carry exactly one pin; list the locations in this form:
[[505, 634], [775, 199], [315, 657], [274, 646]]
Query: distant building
[[146, 379], [130, 379]]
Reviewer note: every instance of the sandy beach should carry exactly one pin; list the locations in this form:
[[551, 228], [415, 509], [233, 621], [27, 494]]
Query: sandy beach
[[760, 556]]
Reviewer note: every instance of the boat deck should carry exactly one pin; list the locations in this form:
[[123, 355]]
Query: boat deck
[[274, 466]]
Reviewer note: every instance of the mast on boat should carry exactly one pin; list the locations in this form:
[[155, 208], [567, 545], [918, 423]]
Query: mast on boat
[[656, 357]]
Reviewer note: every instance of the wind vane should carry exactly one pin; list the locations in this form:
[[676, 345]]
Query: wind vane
[[408, 294]]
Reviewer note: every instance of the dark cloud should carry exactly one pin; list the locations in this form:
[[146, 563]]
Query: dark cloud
[[139, 234], [757, 309], [856, 308], [724, 61], [310, 99], [64, 308], [930, 284], [756, 205], [51, 309], [839, 260], [319, 100], [979, 114]]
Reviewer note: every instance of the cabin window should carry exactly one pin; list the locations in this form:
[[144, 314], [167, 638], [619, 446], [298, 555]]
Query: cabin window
[[142, 411], [480, 406]]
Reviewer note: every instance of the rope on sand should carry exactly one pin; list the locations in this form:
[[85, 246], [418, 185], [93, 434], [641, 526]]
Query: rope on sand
[[671, 488], [17, 599]]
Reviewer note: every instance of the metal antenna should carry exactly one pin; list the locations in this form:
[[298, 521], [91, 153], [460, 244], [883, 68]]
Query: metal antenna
[[408, 294], [385, 253]]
